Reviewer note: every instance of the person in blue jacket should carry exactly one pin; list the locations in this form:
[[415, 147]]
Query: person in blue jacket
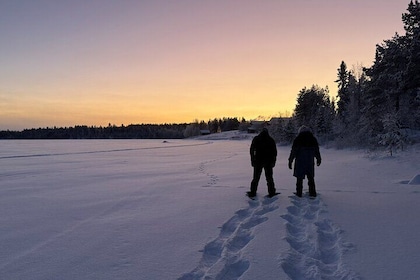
[[305, 150]]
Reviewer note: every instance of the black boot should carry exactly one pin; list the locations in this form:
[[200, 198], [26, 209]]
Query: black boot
[[251, 194], [271, 189], [311, 184], [299, 187]]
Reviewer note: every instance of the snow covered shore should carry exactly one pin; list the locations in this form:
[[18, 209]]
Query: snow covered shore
[[176, 209]]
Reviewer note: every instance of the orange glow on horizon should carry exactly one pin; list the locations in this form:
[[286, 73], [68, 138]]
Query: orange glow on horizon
[[144, 62]]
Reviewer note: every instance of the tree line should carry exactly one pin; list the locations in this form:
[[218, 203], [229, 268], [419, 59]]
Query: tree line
[[133, 131], [378, 105], [138, 131]]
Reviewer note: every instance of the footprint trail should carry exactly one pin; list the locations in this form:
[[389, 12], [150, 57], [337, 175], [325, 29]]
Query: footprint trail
[[222, 257], [316, 246]]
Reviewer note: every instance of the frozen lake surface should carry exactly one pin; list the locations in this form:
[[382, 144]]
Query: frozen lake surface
[[154, 209]]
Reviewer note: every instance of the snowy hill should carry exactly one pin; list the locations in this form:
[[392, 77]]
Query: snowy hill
[[176, 209]]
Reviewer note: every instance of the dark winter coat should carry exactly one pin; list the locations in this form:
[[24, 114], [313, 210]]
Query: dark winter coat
[[263, 150], [304, 150]]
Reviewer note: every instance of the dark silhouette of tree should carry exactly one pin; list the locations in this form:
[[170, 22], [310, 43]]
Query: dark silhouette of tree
[[393, 86], [343, 96], [138, 131], [315, 110]]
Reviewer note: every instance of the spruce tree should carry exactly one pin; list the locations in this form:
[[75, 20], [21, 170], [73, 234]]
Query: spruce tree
[[343, 98], [315, 110], [411, 76]]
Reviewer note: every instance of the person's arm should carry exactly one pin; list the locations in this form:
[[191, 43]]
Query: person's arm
[[317, 154], [252, 152], [292, 155], [273, 153]]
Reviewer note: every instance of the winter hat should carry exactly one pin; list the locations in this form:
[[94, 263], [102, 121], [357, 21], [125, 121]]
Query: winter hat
[[304, 128], [264, 131]]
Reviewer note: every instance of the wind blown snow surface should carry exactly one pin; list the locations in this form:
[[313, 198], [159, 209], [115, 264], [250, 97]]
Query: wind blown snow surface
[[176, 209]]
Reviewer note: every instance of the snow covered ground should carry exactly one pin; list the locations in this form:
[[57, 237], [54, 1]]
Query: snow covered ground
[[176, 209]]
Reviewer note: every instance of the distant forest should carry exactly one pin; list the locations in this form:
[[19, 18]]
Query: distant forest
[[133, 131], [145, 131], [374, 106]]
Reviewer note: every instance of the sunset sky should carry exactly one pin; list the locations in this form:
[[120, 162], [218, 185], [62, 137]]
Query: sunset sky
[[66, 63]]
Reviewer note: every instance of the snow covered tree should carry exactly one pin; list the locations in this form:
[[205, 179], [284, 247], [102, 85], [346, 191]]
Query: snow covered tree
[[343, 97], [384, 92], [290, 131], [315, 110], [391, 137], [410, 114], [351, 87], [282, 129], [192, 129], [276, 129], [213, 125], [394, 78]]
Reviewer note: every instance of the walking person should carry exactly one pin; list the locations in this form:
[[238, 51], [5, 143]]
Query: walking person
[[263, 152], [305, 150]]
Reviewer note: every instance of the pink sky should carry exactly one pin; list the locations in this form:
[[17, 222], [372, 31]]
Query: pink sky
[[66, 63]]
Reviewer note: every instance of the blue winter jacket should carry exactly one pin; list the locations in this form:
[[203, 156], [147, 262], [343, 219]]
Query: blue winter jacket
[[305, 149]]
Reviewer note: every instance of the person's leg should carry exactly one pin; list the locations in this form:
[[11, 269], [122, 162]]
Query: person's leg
[[270, 181], [311, 184], [299, 186], [255, 180]]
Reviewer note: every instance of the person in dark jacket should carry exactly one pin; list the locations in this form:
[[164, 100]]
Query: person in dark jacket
[[305, 149], [263, 152]]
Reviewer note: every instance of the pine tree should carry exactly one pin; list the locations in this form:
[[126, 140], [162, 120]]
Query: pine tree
[[391, 137], [290, 131], [343, 98], [410, 114], [192, 129], [384, 93], [315, 110]]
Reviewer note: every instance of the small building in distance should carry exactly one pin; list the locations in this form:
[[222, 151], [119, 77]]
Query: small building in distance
[[205, 132], [257, 126]]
